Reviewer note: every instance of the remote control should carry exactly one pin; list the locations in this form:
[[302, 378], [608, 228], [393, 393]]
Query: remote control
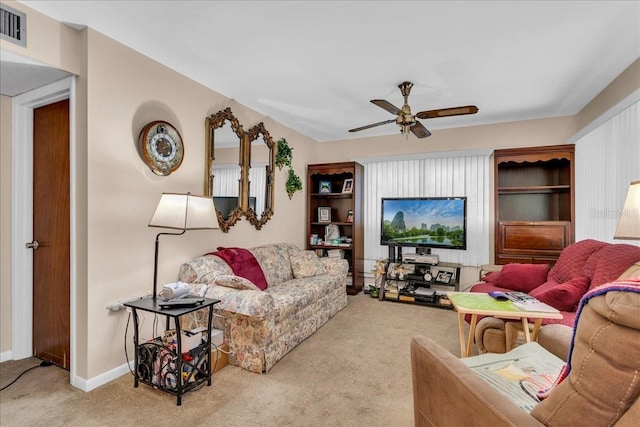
[[498, 295], [181, 302]]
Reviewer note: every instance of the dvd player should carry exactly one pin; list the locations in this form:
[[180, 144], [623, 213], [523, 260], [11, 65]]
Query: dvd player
[[421, 258]]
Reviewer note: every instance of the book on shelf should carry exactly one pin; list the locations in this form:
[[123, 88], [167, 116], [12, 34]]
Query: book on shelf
[[335, 253]]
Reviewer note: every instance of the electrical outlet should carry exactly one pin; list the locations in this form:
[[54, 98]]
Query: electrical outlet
[[119, 305]]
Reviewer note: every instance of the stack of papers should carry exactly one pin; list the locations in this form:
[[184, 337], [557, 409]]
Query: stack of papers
[[528, 303], [535, 306], [518, 374]]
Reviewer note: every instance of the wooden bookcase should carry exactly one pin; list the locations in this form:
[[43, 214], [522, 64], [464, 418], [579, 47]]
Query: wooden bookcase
[[331, 199], [534, 203]]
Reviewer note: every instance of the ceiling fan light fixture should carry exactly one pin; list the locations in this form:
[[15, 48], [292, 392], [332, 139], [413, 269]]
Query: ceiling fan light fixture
[[408, 122]]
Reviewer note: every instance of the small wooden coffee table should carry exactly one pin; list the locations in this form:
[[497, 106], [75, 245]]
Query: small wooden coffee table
[[481, 304]]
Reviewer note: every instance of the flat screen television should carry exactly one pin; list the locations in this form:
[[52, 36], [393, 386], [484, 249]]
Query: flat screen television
[[424, 222]]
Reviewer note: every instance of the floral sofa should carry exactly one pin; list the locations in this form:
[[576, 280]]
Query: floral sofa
[[261, 326]]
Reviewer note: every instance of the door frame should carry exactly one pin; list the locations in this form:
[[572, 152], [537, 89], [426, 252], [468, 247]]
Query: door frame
[[22, 216]]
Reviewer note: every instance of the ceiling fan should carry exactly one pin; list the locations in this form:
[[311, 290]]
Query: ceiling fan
[[407, 121]]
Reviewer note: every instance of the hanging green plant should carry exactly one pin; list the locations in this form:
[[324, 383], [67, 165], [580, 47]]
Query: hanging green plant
[[293, 183], [284, 155]]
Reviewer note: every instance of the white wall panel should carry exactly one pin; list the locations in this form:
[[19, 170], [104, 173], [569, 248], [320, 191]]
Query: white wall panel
[[447, 176], [607, 160]]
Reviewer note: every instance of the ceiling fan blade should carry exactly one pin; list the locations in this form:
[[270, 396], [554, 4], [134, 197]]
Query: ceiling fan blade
[[372, 125], [445, 112], [419, 130], [386, 105]]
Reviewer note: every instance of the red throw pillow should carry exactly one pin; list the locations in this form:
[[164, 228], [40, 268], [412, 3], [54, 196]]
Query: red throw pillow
[[564, 296], [522, 277]]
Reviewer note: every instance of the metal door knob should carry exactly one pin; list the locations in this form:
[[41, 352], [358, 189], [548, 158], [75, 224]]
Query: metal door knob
[[32, 245]]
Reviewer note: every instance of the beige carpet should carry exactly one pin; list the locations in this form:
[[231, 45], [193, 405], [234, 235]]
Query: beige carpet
[[354, 371]]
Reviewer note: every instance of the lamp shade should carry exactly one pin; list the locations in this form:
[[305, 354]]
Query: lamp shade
[[629, 224], [184, 212]]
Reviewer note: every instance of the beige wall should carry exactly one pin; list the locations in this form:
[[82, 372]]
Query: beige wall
[[118, 91], [513, 134], [48, 41], [122, 192], [623, 85], [5, 223]]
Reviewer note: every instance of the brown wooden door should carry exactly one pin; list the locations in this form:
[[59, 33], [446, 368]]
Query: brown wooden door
[[51, 229]]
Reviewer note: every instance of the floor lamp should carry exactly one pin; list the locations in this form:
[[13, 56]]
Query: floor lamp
[[181, 212], [629, 224]]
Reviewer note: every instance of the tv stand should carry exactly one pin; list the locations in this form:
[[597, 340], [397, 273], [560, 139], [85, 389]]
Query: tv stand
[[395, 252], [414, 284]]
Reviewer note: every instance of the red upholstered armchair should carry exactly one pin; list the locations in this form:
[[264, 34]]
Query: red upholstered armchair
[[580, 267]]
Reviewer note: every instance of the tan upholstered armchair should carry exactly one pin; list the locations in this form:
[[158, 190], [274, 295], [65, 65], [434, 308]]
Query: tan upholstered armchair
[[602, 388]]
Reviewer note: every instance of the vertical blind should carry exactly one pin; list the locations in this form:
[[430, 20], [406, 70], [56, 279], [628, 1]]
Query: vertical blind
[[449, 175], [607, 160], [226, 181], [257, 186]]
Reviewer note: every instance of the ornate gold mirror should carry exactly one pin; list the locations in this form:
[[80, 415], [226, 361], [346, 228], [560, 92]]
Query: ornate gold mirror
[[226, 167], [261, 175]]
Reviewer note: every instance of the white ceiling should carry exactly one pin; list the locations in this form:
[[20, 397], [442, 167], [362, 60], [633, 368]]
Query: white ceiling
[[314, 65]]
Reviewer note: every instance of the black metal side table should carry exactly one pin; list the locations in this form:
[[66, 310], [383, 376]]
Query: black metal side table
[[164, 366]]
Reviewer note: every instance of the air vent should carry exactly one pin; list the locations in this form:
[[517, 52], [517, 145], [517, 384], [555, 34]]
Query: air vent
[[13, 26]]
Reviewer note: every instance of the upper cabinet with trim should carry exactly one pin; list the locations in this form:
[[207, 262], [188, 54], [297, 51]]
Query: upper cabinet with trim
[[534, 203]]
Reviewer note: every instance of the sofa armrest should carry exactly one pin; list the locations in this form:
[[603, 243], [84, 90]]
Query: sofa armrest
[[490, 335], [242, 302], [203, 268], [448, 393], [632, 271]]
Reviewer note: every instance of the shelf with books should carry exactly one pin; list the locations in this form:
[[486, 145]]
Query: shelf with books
[[334, 199]]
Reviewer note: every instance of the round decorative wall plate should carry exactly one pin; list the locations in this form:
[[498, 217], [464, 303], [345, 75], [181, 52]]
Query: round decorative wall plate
[[161, 147]]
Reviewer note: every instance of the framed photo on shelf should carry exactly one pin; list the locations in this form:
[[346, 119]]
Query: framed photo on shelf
[[444, 277], [347, 187], [324, 187], [324, 214], [350, 216]]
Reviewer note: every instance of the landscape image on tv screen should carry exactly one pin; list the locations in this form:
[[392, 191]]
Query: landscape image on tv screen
[[431, 222]]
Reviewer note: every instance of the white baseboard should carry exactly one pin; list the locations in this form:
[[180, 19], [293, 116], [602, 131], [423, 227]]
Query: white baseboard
[[6, 355], [81, 383], [102, 379]]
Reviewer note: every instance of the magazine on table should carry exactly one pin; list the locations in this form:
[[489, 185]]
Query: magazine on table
[[526, 302], [519, 374]]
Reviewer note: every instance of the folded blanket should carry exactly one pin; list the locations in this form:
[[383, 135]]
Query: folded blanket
[[243, 264], [626, 285]]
